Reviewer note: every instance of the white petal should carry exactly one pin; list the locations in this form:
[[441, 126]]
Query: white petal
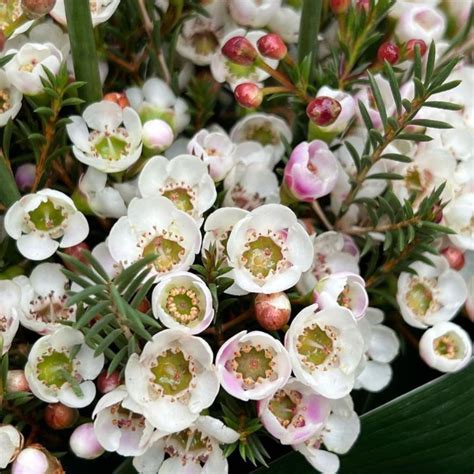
[[36, 246], [76, 231]]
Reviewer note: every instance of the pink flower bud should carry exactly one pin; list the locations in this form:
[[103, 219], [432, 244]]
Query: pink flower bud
[[240, 51], [16, 381], [37, 8], [454, 257], [119, 98], [339, 6], [36, 460], [323, 110], [389, 52], [76, 252], [363, 5], [107, 383], [59, 416], [84, 444], [157, 135], [272, 46], [272, 311], [248, 95], [410, 47], [25, 176]]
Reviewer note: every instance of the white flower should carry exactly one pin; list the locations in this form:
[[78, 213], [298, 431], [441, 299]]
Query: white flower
[[119, 425], [184, 180], [348, 108], [215, 149], [44, 299], [54, 361], [172, 380], [459, 216], [10, 310], [38, 220], [286, 22], [102, 253], [381, 347], [156, 100], [114, 141], [252, 366], [446, 347], [433, 295], [182, 301], [254, 153], [193, 450], [255, 13], [269, 250], [266, 129], [11, 441], [10, 99], [325, 349], [26, 68], [101, 11], [294, 413], [421, 22]]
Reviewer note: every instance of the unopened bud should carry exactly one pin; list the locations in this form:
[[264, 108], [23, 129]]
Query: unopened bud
[[60, 417], [76, 252], [25, 176], [454, 257], [272, 46], [144, 305], [363, 5], [119, 98], [272, 311], [157, 135], [323, 111], [240, 50], [35, 459], [339, 6], [410, 47], [389, 52], [34, 9], [248, 95], [107, 383], [2, 40], [16, 381], [84, 444]]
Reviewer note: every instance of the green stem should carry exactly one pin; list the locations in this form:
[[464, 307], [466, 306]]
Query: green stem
[[309, 30], [84, 54]]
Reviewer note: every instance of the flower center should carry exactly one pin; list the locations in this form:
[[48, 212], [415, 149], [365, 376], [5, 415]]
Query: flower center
[[183, 198], [315, 345], [126, 419], [238, 71], [262, 257], [244, 200], [10, 11], [183, 304], [449, 345], [253, 364], [47, 217], [50, 309], [5, 103], [192, 440], [285, 406], [263, 134], [344, 298], [172, 372], [205, 42], [54, 368], [3, 323], [419, 298], [169, 253], [111, 147]]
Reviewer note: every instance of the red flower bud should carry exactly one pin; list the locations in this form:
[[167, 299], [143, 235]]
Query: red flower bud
[[272, 311], [339, 6], [37, 8], [323, 111], [16, 381], [119, 98], [107, 383], [76, 252], [389, 52], [410, 47], [240, 51], [59, 416], [144, 305], [455, 257], [272, 46], [248, 95]]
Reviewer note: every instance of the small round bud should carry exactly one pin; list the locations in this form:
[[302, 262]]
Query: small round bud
[[363, 5], [410, 47], [59, 416], [84, 444], [76, 252], [455, 257], [389, 52], [119, 98], [35, 459], [37, 8], [16, 381], [240, 51], [323, 110], [272, 46], [157, 135], [339, 6], [107, 383], [248, 95], [144, 305], [25, 176], [272, 311]]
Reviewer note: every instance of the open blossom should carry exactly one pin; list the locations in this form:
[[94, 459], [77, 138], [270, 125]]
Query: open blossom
[[44, 299], [434, 294], [11, 441], [11, 99], [184, 180], [106, 137], [254, 13], [43, 221], [101, 11], [252, 365], [172, 380], [53, 362], [294, 413], [446, 347], [183, 301], [10, 311], [195, 449], [154, 226], [269, 250], [421, 22], [459, 216], [119, 425], [286, 22], [325, 349]]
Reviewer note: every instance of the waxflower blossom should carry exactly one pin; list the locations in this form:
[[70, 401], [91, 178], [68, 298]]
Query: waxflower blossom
[[55, 361], [184, 180], [182, 301], [11, 441], [44, 299], [195, 449], [252, 365], [422, 22], [325, 349], [11, 99], [311, 171], [294, 413], [172, 380], [10, 311], [255, 13], [154, 226], [269, 250], [459, 216], [119, 425], [434, 294], [43, 221], [106, 137], [446, 347], [101, 11]]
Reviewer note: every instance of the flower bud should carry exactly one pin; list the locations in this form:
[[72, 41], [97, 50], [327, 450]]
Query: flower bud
[[339, 6], [157, 135], [272, 46], [363, 5], [389, 52], [84, 444], [248, 95], [410, 47], [107, 383], [37, 8], [35, 459], [454, 257], [144, 305], [16, 381], [240, 50], [76, 252], [323, 110], [272, 311], [25, 176], [59, 416], [119, 98]]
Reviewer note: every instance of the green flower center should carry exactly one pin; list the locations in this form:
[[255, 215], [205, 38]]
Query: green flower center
[[53, 368], [254, 364], [419, 298], [205, 42], [181, 197], [449, 345], [413, 180], [47, 216], [111, 147], [5, 103], [262, 256], [283, 407], [172, 372], [191, 440], [344, 298], [262, 134], [238, 71], [315, 345], [169, 253], [10, 11], [184, 304]]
